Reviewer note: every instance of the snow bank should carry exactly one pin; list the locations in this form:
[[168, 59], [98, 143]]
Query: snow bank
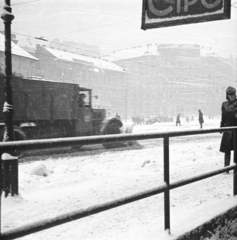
[[213, 224]]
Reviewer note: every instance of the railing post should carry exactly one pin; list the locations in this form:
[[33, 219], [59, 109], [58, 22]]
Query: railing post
[[235, 161], [1, 184], [9, 175], [1, 179], [167, 181]]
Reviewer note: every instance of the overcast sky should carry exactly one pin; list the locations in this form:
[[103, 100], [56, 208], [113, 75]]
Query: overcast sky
[[113, 25]]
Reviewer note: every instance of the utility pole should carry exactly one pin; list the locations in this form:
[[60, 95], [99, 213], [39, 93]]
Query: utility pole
[[8, 111]]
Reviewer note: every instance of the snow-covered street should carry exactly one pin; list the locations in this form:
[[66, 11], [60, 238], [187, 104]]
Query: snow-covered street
[[83, 179], [96, 97]]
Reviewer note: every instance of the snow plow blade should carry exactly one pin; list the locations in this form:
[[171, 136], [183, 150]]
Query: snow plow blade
[[115, 126]]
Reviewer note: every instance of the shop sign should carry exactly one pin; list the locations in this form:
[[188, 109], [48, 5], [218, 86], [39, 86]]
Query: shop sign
[[164, 13]]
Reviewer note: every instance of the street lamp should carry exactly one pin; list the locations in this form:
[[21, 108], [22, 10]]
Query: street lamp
[[8, 163], [7, 17]]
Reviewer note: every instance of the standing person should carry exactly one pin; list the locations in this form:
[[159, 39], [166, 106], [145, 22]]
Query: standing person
[[178, 122], [81, 100], [200, 118], [228, 119], [117, 116]]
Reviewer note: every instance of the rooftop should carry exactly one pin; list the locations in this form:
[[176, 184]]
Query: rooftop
[[134, 52], [16, 50], [71, 57]]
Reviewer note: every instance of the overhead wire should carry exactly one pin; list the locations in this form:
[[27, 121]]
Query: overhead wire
[[85, 29], [50, 42], [90, 51], [130, 72], [14, 4]]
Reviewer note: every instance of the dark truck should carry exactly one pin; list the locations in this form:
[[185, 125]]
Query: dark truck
[[49, 109]]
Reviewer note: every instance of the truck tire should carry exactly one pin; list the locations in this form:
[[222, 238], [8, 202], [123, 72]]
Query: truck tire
[[19, 136], [18, 133], [111, 126]]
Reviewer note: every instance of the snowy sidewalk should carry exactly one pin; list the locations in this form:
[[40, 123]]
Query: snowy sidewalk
[[79, 181]]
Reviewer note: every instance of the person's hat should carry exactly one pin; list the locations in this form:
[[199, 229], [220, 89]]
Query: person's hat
[[230, 91]]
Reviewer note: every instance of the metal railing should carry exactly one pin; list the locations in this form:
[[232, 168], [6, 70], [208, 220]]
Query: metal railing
[[165, 188]]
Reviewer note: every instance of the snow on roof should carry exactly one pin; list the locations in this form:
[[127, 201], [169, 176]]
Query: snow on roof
[[16, 50], [133, 53], [207, 53], [179, 46], [71, 57]]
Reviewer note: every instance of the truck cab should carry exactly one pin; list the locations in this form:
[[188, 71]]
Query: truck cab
[[89, 120]]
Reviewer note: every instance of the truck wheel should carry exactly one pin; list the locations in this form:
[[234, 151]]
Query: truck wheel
[[18, 133], [111, 128], [19, 136]]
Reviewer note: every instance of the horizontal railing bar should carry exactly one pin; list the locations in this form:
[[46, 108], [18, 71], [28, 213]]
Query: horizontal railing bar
[[68, 217], [201, 177], [64, 218], [73, 141], [50, 143]]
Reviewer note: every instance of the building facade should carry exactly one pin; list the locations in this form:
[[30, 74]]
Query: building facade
[[105, 78], [169, 79], [146, 81], [22, 61]]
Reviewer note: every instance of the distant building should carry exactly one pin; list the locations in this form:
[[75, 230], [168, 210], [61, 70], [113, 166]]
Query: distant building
[[22, 61], [155, 80], [167, 79], [105, 78], [66, 66], [76, 48], [179, 50]]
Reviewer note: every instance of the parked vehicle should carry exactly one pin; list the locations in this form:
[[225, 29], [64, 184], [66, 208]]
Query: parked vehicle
[[49, 109]]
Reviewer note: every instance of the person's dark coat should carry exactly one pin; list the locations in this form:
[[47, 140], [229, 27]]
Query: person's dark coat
[[228, 119], [178, 119], [200, 117]]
